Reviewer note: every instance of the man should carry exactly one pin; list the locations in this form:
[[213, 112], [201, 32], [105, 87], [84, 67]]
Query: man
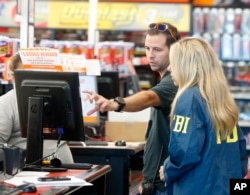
[[158, 39]]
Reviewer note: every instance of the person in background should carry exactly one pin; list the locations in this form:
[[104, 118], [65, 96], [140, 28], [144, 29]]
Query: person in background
[[10, 133], [159, 37], [207, 147]]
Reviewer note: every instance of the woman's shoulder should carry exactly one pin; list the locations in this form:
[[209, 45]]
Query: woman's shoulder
[[191, 92]]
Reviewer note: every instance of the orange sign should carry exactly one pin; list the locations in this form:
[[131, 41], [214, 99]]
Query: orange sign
[[149, 1], [203, 2], [41, 59]]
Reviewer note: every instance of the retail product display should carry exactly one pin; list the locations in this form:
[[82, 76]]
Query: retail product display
[[113, 55], [8, 46], [229, 34]]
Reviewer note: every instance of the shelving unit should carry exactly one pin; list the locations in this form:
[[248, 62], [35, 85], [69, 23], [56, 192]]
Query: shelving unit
[[243, 101]]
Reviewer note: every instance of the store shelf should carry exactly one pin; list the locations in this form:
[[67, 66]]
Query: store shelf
[[244, 124], [241, 96]]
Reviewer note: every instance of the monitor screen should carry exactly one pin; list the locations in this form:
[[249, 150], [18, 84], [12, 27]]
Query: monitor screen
[[109, 84], [88, 83], [49, 106], [131, 85]]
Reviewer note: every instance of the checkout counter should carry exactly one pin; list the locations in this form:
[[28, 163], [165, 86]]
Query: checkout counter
[[120, 126], [118, 157]]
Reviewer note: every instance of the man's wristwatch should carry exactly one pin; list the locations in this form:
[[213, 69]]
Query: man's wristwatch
[[120, 102]]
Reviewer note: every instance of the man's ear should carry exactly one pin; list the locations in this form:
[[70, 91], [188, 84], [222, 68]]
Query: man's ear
[[12, 77]]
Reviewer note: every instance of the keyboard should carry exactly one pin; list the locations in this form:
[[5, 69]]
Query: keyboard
[[77, 165], [88, 143], [46, 169], [76, 143], [96, 143]]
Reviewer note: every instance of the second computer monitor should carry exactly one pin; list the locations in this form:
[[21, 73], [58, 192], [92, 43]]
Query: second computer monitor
[[109, 84], [88, 83]]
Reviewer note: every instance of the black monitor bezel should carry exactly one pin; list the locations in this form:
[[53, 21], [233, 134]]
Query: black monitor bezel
[[71, 79]]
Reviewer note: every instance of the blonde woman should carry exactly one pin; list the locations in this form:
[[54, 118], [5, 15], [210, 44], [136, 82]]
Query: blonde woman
[[206, 147]]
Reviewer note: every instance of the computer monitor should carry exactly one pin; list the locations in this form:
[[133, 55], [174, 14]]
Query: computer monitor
[[109, 84], [88, 83], [49, 106], [131, 85]]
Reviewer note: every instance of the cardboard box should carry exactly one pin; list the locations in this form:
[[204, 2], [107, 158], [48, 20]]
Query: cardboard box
[[128, 131]]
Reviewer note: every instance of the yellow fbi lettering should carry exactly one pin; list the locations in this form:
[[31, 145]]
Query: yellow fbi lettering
[[181, 123], [233, 137]]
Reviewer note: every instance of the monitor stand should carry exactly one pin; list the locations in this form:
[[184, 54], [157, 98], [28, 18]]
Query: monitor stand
[[34, 149]]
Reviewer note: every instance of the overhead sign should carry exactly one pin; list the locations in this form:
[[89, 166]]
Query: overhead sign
[[110, 16], [118, 16]]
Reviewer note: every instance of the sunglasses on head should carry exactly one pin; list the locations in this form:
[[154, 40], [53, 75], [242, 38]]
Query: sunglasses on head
[[161, 28]]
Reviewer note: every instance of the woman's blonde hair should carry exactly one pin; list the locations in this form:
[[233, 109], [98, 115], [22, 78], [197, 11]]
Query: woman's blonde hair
[[194, 63]]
